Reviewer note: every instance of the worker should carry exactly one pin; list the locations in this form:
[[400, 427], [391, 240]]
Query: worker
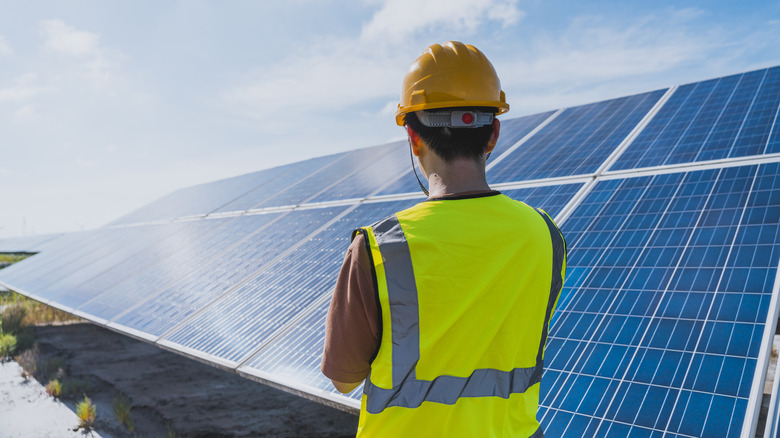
[[442, 310]]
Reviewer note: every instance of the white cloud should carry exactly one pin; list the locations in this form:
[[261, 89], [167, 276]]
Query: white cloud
[[16, 93], [340, 73], [593, 58], [80, 51], [67, 40], [5, 48], [397, 20], [23, 89]]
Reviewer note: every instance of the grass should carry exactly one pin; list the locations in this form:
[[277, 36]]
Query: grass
[[12, 317], [33, 312], [73, 387], [29, 360], [7, 346], [87, 413], [122, 411], [13, 257], [54, 388]]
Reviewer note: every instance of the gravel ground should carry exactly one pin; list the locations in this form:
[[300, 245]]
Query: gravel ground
[[170, 394]]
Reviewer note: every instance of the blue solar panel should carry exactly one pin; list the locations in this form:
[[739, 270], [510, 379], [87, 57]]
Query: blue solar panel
[[279, 293], [659, 325], [577, 141], [727, 117], [369, 177], [551, 199], [225, 270], [63, 256], [512, 131], [205, 198], [26, 244], [291, 188], [193, 257]]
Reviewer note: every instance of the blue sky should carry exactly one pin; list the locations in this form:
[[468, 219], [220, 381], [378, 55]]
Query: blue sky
[[106, 106]]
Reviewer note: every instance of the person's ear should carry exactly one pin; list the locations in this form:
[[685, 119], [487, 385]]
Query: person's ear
[[493, 136], [414, 141]]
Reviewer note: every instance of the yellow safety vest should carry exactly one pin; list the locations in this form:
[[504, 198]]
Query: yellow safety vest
[[466, 288]]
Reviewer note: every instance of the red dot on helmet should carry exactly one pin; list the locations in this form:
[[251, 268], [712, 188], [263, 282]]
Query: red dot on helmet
[[467, 118]]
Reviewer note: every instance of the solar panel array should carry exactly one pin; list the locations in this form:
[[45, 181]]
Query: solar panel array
[[669, 201]]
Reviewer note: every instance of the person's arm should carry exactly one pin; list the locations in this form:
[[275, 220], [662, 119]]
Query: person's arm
[[352, 327], [345, 388]]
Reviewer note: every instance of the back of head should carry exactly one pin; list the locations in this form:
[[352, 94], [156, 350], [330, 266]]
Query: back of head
[[449, 97]]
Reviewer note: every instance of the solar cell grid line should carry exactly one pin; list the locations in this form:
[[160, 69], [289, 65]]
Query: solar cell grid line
[[53, 265], [641, 184], [137, 263], [293, 361], [618, 192], [26, 243], [370, 177], [24, 268], [280, 292], [719, 118], [773, 138], [673, 331], [577, 141], [94, 264], [349, 163], [554, 198], [698, 132], [300, 175], [727, 130], [662, 133], [187, 256], [517, 137], [198, 199], [512, 130], [676, 400], [162, 311]]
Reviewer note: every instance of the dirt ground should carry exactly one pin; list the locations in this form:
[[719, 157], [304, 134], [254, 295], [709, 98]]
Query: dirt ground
[[175, 396]]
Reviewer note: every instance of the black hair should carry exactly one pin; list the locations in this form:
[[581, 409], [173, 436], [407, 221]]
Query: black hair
[[451, 143]]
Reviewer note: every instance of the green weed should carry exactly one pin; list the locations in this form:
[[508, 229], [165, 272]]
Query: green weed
[[87, 413], [12, 317], [35, 313], [73, 387], [13, 257], [122, 411], [7, 346], [54, 388]]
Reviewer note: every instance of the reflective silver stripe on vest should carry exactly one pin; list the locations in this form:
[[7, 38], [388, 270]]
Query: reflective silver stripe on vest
[[559, 255], [410, 392]]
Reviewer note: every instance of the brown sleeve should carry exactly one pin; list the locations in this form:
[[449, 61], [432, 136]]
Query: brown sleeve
[[352, 327]]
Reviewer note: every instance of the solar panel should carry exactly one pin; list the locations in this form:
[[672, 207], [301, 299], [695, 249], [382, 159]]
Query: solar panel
[[726, 117], [291, 189], [27, 243], [551, 199], [280, 292], [668, 200], [226, 269], [661, 320], [205, 198], [577, 141]]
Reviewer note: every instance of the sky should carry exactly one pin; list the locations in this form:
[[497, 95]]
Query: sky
[[107, 106]]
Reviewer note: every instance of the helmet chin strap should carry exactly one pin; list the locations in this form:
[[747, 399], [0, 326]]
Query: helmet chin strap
[[411, 155]]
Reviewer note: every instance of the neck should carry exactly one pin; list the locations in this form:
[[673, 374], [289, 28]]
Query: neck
[[457, 177]]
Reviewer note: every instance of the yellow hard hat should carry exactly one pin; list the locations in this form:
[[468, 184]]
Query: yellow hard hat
[[450, 75]]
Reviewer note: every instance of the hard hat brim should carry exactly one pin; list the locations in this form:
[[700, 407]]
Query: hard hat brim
[[501, 107]]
